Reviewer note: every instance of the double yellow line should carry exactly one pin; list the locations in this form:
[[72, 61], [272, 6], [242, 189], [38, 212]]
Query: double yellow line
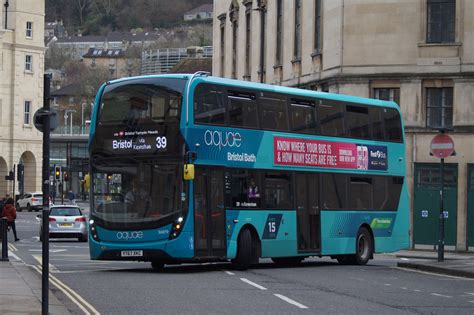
[[70, 293]]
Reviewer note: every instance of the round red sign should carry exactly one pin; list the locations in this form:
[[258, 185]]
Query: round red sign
[[442, 146]]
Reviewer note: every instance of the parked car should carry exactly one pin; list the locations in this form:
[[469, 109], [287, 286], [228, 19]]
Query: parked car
[[66, 221], [30, 201]]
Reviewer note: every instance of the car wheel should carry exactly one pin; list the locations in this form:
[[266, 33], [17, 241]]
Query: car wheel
[[18, 208], [28, 206], [83, 239]]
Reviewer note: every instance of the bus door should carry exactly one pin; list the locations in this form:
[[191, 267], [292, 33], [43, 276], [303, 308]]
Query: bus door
[[209, 214], [307, 212]]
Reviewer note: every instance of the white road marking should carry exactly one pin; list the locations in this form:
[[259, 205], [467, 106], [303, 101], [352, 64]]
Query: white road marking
[[441, 295], [75, 297], [470, 293], [417, 290], [404, 259], [258, 286], [288, 300], [230, 273], [15, 256], [12, 247], [54, 251], [403, 288], [65, 292], [387, 284]]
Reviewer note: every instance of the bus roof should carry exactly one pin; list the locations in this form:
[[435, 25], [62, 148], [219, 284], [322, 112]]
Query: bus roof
[[269, 88]]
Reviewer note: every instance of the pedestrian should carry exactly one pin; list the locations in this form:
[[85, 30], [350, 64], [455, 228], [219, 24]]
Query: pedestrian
[[9, 212], [72, 197]]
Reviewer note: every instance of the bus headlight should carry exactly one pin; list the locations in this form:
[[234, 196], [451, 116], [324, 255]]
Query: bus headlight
[[176, 228], [93, 230]]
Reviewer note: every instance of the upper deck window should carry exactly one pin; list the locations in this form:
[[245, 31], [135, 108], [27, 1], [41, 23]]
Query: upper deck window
[[209, 105], [273, 114], [393, 127], [139, 103], [242, 109], [302, 116], [331, 119], [357, 121]]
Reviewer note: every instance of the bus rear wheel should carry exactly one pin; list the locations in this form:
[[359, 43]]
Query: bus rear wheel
[[244, 251], [364, 247]]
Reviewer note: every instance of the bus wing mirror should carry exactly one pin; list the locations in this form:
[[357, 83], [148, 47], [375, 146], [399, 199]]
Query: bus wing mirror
[[188, 171]]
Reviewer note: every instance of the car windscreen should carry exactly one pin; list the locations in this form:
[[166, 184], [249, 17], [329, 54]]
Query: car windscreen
[[38, 196], [65, 212]]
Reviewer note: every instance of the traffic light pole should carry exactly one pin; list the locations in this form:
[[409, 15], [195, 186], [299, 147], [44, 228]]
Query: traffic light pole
[[45, 225]]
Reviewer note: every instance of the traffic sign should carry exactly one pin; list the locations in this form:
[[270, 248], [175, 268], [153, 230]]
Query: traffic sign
[[442, 146], [41, 114]]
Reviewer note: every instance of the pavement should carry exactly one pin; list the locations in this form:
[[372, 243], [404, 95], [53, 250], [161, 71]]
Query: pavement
[[459, 264], [20, 290]]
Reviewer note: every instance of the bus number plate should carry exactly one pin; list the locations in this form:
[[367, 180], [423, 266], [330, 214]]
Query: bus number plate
[[131, 253]]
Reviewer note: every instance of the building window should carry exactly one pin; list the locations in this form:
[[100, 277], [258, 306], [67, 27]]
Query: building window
[[222, 47], [27, 115], [279, 30], [297, 46], [248, 40], [29, 29], [317, 26], [28, 63], [439, 107], [388, 94], [441, 17]]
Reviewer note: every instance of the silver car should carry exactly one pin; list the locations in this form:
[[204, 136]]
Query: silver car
[[66, 221]]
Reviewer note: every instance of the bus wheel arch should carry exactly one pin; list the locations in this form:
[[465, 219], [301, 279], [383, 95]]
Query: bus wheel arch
[[248, 248]]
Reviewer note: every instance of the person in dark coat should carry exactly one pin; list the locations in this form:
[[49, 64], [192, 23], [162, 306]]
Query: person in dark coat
[[9, 212]]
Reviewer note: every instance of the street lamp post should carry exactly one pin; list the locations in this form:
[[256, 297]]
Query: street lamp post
[[82, 117], [66, 112]]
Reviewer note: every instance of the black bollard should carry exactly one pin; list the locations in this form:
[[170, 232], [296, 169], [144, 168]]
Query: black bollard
[[4, 230]]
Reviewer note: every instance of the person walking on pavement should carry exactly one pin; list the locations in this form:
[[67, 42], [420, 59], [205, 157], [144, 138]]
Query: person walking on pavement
[[9, 212], [72, 197]]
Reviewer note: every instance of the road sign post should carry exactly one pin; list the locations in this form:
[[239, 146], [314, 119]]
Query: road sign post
[[441, 146]]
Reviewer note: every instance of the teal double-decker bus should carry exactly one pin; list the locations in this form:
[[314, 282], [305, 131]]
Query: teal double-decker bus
[[195, 168]]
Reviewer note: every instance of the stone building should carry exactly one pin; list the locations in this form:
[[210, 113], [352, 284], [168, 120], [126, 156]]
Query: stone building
[[418, 53], [21, 91]]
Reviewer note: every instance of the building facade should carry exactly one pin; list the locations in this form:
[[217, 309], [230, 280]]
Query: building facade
[[419, 54], [21, 92]]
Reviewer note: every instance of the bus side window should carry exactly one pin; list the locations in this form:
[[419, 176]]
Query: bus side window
[[360, 193], [273, 112], [242, 109], [302, 116], [278, 191], [357, 121], [209, 105], [393, 126], [331, 119], [377, 124], [334, 191]]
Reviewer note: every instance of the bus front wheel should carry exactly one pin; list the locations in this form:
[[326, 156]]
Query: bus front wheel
[[244, 251]]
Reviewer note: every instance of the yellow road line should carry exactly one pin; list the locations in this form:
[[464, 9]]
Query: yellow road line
[[74, 296]]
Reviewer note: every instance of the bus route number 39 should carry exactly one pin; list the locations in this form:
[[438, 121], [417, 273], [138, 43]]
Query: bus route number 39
[[161, 142]]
